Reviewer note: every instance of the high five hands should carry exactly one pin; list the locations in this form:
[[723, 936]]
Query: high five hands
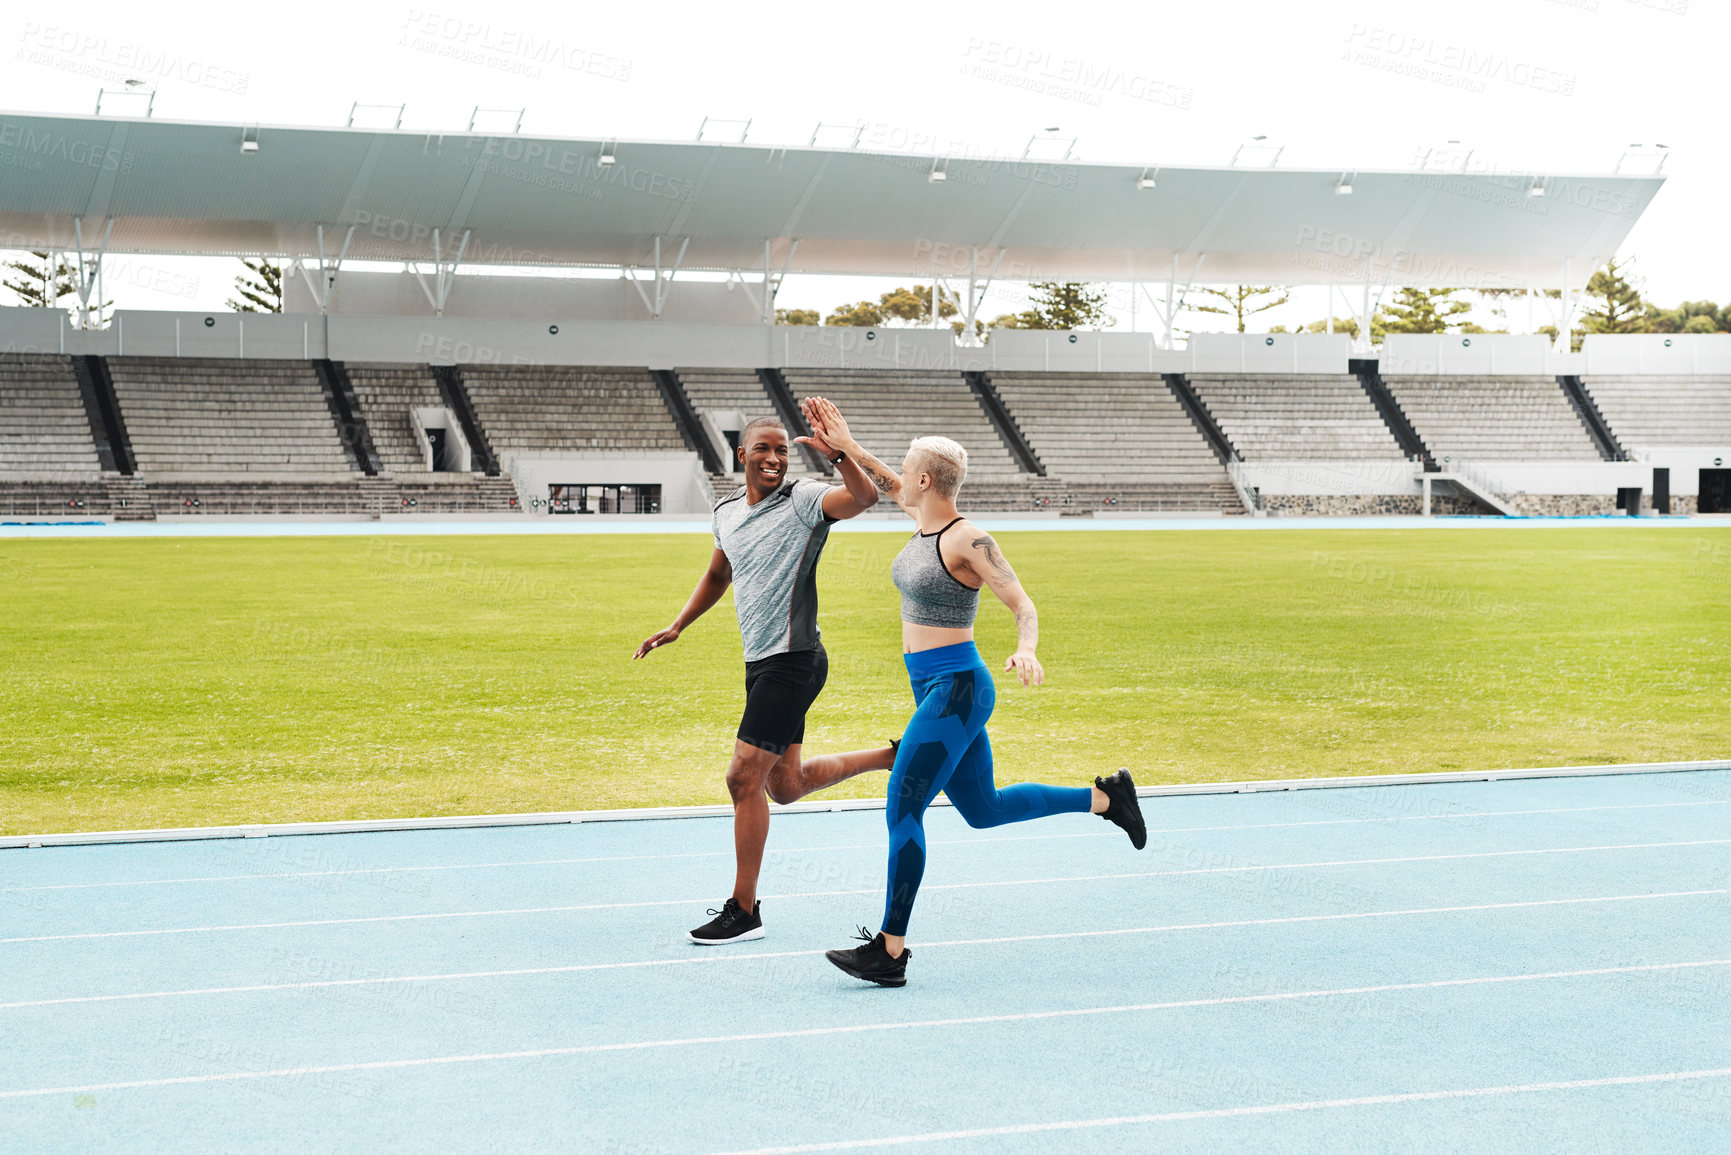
[[827, 426]]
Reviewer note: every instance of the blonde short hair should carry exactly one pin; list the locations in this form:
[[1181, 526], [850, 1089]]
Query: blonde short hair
[[945, 460]]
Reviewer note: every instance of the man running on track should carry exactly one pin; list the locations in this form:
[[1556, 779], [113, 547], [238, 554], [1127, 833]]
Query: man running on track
[[939, 573], [768, 535]]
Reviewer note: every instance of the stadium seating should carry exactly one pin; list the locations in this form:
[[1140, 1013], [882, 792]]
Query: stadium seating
[[387, 393], [1310, 417], [246, 437], [1494, 418], [555, 408], [226, 419], [1653, 411], [888, 408], [1108, 427], [731, 390], [44, 431]]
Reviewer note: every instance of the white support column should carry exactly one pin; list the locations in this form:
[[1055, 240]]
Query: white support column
[[326, 282], [444, 273], [89, 271], [664, 284], [969, 312], [1362, 345], [772, 280], [1566, 322], [1178, 303], [977, 291], [1171, 296]]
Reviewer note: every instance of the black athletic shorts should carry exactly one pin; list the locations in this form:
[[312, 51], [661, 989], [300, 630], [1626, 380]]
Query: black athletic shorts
[[779, 690]]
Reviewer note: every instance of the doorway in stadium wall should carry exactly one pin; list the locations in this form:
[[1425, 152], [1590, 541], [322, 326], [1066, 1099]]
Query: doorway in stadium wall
[[1714, 494], [604, 499]]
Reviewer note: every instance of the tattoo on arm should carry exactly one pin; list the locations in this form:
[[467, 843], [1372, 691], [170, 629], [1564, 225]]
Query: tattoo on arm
[[994, 559], [882, 480]]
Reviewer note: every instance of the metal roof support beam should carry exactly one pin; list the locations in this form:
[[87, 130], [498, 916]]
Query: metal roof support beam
[[664, 284], [444, 273], [326, 282], [1566, 322], [663, 280], [1166, 311], [976, 291], [89, 271], [1174, 304], [737, 277], [772, 281]]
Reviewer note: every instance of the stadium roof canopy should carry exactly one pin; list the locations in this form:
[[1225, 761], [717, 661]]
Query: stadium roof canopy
[[151, 186]]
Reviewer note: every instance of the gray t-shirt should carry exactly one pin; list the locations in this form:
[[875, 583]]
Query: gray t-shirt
[[773, 547]]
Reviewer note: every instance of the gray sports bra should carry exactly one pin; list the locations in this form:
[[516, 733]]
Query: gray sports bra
[[931, 594]]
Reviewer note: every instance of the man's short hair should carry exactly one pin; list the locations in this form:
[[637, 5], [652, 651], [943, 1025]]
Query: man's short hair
[[759, 423], [945, 460]]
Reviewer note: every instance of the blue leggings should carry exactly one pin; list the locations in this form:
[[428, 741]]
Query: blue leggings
[[945, 748]]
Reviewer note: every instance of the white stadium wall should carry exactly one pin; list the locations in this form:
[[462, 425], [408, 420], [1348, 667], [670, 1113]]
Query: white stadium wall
[[684, 488], [664, 344], [561, 340]]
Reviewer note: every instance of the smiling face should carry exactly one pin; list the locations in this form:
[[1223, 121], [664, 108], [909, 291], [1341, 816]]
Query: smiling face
[[764, 454]]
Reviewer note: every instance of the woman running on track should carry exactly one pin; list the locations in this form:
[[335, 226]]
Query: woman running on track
[[939, 573]]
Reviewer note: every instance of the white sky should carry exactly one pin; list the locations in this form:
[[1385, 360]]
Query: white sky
[[1337, 83]]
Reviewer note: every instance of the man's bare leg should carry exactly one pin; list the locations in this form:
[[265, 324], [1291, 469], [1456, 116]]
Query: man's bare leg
[[792, 779], [746, 777]]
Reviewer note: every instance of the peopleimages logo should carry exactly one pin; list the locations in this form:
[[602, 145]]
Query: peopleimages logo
[[1452, 65], [504, 48], [75, 50], [1065, 77], [540, 163], [32, 147]]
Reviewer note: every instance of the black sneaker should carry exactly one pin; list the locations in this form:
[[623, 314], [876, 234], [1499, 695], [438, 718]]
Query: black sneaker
[[1123, 808], [730, 924], [872, 962]]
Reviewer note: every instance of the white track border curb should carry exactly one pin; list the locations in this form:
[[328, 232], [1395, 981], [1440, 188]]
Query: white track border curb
[[650, 813]]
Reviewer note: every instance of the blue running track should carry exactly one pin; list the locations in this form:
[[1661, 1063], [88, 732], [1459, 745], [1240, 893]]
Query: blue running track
[[1532, 965]]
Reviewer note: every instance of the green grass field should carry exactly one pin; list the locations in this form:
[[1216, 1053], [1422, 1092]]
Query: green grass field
[[203, 681]]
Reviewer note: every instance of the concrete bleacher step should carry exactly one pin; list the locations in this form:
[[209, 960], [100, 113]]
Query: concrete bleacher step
[[1665, 410], [222, 416], [1103, 428], [1488, 418], [886, 409], [44, 428]]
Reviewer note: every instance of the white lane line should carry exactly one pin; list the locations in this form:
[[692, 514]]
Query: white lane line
[[728, 956], [870, 890], [864, 1028], [360, 870], [1239, 1112], [363, 870]]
